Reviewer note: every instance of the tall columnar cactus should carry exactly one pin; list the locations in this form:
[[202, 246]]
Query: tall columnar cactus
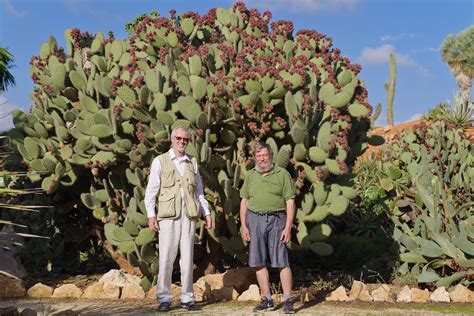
[[390, 87], [107, 107]]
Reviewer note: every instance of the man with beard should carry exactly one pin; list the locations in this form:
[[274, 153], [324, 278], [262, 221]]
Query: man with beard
[[267, 210], [175, 176]]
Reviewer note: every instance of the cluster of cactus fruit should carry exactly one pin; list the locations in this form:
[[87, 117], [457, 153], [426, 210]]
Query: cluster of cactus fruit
[[430, 181], [107, 107]]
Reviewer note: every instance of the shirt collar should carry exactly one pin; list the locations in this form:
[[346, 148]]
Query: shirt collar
[[173, 155]]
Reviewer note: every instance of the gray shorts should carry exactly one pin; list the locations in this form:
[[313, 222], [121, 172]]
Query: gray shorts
[[265, 246]]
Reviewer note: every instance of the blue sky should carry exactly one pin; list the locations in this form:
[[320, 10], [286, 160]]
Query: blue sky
[[366, 31]]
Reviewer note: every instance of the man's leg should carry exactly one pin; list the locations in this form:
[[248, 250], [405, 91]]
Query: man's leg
[[186, 245], [286, 281], [263, 280], [168, 237]]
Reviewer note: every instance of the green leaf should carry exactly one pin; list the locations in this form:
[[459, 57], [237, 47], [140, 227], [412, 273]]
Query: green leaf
[[448, 280], [428, 276], [425, 196], [412, 257]]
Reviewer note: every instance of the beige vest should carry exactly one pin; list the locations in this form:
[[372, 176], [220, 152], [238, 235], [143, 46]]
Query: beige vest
[[169, 199]]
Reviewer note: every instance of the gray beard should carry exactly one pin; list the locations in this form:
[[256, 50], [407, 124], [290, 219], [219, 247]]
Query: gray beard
[[264, 170]]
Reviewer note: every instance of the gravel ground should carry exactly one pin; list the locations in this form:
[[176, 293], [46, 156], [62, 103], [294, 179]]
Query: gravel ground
[[147, 307]]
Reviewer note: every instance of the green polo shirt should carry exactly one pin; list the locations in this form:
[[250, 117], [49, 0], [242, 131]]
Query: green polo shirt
[[268, 193]]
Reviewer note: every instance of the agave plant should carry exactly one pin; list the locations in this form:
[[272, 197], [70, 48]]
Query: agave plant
[[459, 113]]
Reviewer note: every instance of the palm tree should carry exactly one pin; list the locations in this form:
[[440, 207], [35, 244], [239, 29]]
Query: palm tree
[[6, 78], [458, 52]]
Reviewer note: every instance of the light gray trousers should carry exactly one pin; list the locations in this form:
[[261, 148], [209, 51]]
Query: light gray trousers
[[176, 234]]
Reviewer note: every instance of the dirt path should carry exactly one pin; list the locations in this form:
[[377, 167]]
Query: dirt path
[[147, 307]]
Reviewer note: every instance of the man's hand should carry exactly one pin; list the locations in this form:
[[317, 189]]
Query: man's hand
[[286, 234], [208, 222], [153, 224], [245, 233]]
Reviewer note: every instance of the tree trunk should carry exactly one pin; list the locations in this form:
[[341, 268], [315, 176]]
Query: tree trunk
[[463, 80], [119, 259]]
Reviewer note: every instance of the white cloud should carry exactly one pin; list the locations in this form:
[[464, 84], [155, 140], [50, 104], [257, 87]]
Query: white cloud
[[380, 55], [6, 120], [11, 10], [387, 38], [303, 6]]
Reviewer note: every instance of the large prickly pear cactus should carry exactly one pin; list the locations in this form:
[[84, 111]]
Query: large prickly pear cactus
[[106, 108]]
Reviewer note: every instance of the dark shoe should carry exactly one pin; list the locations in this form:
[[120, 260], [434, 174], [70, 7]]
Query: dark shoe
[[264, 305], [288, 307], [191, 306], [164, 307]]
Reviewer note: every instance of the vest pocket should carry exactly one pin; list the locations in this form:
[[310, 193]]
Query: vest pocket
[[167, 179], [166, 205]]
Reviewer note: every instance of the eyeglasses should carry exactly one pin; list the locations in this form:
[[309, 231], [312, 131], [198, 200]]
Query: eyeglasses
[[179, 138]]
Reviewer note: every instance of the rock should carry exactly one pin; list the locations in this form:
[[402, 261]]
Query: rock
[[11, 285], [240, 279], [118, 278], [420, 296], [67, 290], [440, 295], [394, 291], [176, 292], [93, 291], [132, 291], [28, 312], [460, 294], [202, 291], [359, 291], [9, 311], [110, 291], [215, 281], [10, 248], [40, 290], [405, 295], [381, 294], [151, 295], [252, 294], [225, 294], [338, 294], [10, 264]]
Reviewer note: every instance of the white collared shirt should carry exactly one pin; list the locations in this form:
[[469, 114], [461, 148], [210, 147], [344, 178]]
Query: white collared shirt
[[154, 184]]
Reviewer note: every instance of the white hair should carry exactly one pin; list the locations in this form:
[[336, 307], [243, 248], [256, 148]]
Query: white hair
[[173, 132]]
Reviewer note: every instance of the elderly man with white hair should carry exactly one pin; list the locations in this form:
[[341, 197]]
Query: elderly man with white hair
[[175, 178]]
